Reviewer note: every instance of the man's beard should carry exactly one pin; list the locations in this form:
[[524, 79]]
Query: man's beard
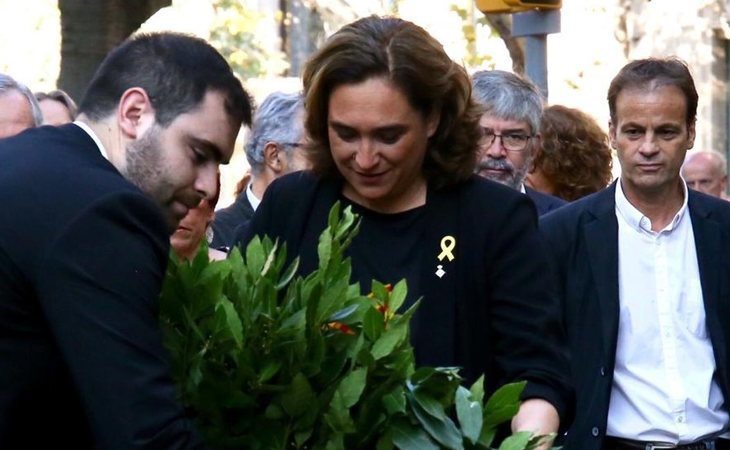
[[510, 175], [144, 168]]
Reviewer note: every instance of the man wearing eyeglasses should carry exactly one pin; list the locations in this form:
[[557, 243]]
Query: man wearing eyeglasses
[[273, 148], [511, 124]]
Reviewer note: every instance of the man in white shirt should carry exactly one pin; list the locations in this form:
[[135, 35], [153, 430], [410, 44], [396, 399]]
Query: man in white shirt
[[640, 272], [274, 148], [511, 127]]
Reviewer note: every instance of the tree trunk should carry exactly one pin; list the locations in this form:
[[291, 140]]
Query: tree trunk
[[502, 25], [90, 29]]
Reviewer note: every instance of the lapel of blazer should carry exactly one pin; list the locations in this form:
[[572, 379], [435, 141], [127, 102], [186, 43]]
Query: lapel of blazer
[[439, 276], [601, 237], [708, 247]]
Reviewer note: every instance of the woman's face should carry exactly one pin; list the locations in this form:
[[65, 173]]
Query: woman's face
[[378, 143]]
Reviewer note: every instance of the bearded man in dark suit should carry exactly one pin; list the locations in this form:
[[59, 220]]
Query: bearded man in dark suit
[[643, 274], [84, 251]]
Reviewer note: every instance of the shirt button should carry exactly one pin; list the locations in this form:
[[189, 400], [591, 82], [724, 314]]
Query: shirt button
[[680, 419], [603, 371], [595, 432]]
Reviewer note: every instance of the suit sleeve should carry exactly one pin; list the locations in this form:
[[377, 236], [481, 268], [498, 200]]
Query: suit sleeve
[[98, 287], [528, 335]]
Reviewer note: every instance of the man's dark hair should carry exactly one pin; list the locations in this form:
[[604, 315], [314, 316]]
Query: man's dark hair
[[176, 71], [655, 72]]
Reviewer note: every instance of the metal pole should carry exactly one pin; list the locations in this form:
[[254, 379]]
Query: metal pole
[[534, 26], [536, 56]]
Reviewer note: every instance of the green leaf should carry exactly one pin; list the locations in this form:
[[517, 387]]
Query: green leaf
[[407, 437], [503, 404], [344, 313], [518, 441], [373, 324], [232, 320], [298, 397], [443, 431], [387, 342], [395, 402], [477, 390], [398, 296], [351, 386], [338, 415], [430, 405], [469, 414], [269, 370], [255, 256], [288, 275]]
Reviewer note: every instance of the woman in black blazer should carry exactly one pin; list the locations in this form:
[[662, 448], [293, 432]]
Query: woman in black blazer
[[393, 132]]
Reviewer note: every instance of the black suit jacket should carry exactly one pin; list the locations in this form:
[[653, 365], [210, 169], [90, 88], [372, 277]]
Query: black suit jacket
[[227, 221], [583, 238], [82, 257], [490, 313], [543, 202]]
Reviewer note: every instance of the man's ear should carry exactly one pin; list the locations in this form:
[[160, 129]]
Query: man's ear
[[612, 134], [691, 134], [273, 156], [536, 149], [135, 113]]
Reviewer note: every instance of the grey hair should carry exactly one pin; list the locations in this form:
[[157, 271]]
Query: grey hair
[[508, 97], [276, 120], [7, 83]]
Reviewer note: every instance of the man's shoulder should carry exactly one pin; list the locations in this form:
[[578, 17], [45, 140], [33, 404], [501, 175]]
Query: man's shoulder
[[480, 187], [595, 205], [544, 202], [706, 205]]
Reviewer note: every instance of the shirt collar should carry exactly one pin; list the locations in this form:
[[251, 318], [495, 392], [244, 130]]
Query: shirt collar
[[639, 221], [93, 136], [522, 188], [252, 199]]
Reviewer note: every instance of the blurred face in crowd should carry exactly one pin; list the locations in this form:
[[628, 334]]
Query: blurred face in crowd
[[506, 150], [191, 231], [54, 112], [178, 165], [16, 114], [651, 136], [701, 172], [378, 143]]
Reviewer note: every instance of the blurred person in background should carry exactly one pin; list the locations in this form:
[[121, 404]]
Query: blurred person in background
[[706, 171], [19, 109], [511, 128], [194, 228], [57, 106], [574, 159], [273, 149]]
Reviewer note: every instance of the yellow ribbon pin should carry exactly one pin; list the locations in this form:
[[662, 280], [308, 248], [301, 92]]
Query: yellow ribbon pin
[[448, 243]]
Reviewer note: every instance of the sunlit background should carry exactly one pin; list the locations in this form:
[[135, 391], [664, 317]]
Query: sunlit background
[[597, 37]]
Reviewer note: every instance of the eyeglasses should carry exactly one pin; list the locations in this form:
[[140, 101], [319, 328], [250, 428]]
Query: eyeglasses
[[292, 144], [512, 142]]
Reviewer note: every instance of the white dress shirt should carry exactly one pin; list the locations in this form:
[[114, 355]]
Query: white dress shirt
[[252, 199], [663, 387], [93, 136]]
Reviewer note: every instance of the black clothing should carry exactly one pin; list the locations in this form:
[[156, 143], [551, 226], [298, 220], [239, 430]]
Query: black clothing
[[228, 219], [486, 309], [582, 239], [82, 256], [544, 202]]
